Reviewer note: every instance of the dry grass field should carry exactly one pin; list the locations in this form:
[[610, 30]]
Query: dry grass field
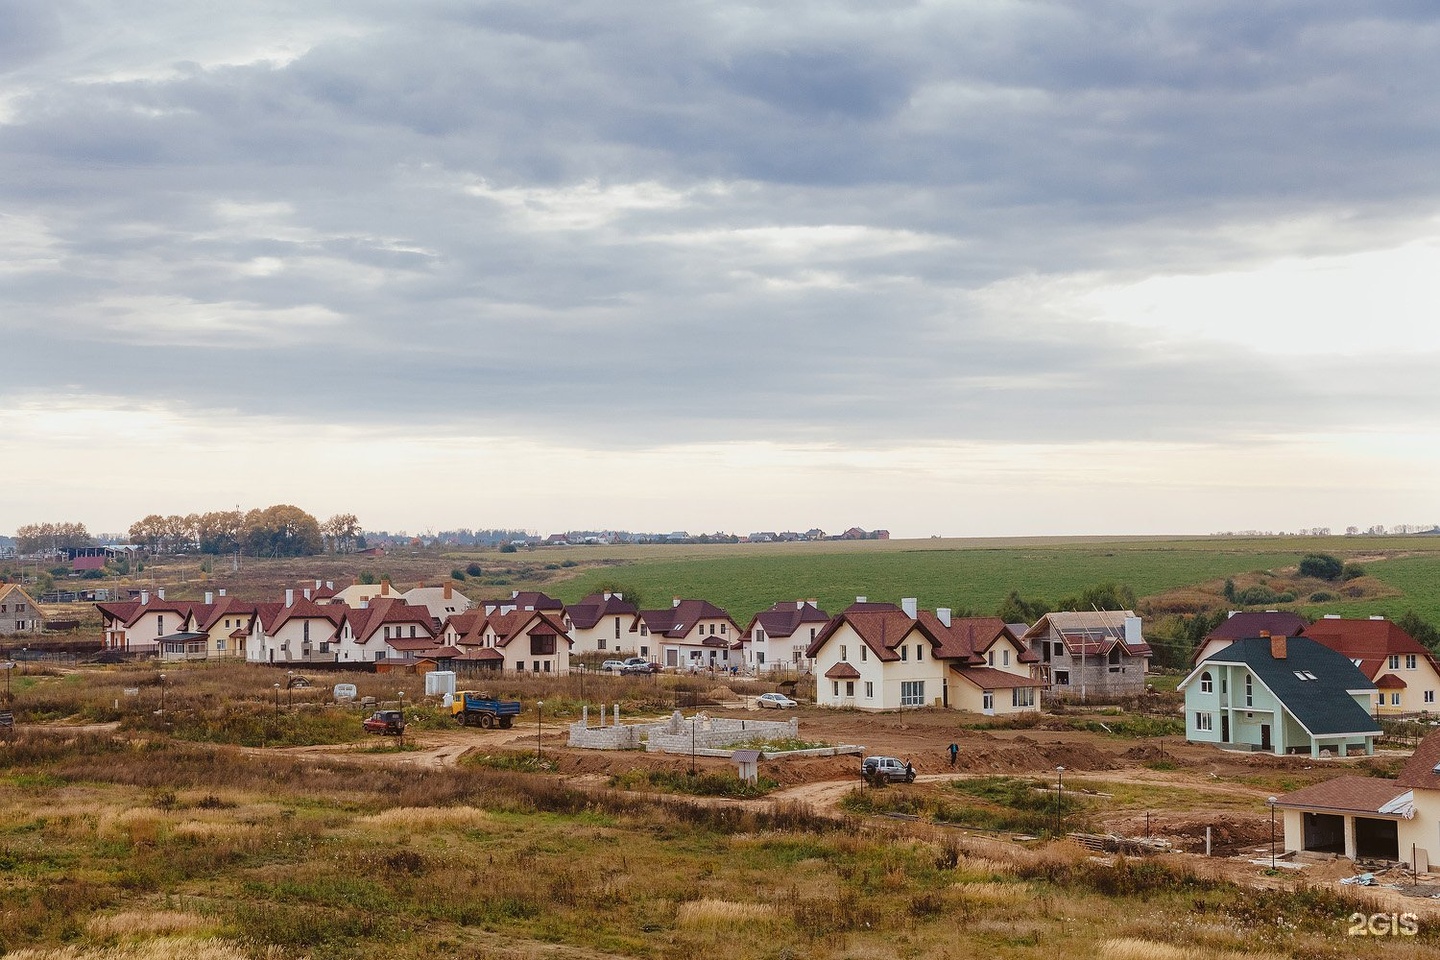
[[130, 833]]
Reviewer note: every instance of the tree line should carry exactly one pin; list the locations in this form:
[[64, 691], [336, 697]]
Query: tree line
[[281, 530]]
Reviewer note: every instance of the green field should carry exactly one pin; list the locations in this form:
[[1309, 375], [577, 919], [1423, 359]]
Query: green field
[[978, 574]]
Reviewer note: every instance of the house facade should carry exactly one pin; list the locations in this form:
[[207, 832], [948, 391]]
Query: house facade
[[1099, 654], [776, 640], [879, 656], [1405, 673], [690, 635], [605, 623], [1280, 695], [18, 611]]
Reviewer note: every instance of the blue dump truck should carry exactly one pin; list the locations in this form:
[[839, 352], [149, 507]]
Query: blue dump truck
[[478, 709]]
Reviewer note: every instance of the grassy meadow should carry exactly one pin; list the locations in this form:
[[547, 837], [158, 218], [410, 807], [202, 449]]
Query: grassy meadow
[[121, 848]]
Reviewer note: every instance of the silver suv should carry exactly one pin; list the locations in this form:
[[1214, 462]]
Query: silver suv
[[887, 768]]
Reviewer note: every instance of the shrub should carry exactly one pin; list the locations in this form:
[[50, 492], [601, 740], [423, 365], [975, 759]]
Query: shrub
[[474, 569], [1321, 596], [457, 574], [1352, 571], [1321, 566]]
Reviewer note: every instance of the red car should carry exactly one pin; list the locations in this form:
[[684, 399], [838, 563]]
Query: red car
[[386, 722]]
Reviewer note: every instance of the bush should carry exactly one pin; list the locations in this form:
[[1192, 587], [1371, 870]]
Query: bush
[[457, 574], [1352, 571], [1254, 596], [1321, 566], [1320, 596], [474, 569]]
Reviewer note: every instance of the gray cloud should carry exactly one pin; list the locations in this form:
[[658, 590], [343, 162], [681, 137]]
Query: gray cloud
[[712, 221]]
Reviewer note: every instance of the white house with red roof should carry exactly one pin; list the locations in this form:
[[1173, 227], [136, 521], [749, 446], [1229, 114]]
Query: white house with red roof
[[879, 656], [1405, 673], [605, 623], [137, 626], [776, 639], [1101, 653], [386, 628], [502, 637], [691, 635], [297, 631]]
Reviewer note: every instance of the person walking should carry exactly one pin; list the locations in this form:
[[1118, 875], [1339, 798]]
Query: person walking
[[954, 752]]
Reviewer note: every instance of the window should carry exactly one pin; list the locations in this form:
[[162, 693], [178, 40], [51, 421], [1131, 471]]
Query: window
[[325, 647], [1249, 690], [987, 701], [1204, 721], [1410, 661], [220, 646], [844, 652], [1207, 682], [600, 644], [1115, 654], [812, 633], [1394, 699], [849, 688], [760, 658], [617, 630], [412, 632], [1429, 696], [912, 693], [990, 658], [722, 629], [759, 634], [1022, 697], [1005, 657], [919, 652], [1062, 678], [547, 666], [869, 690], [160, 626], [836, 684], [644, 630], [904, 652], [1395, 661], [542, 645], [864, 654], [305, 631], [644, 651]]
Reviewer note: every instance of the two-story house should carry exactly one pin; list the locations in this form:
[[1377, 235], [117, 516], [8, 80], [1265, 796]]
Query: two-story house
[[775, 641], [1405, 673], [1280, 695], [18, 611], [605, 623], [690, 635]]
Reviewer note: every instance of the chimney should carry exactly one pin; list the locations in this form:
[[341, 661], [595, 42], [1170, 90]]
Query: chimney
[[209, 598], [144, 597], [1231, 614], [860, 600], [384, 588], [160, 594], [489, 609], [289, 597], [514, 594], [222, 591], [943, 615], [329, 584], [1377, 617], [799, 604], [420, 585], [606, 595], [1277, 646], [307, 593], [449, 590], [1132, 631], [911, 606], [317, 584], [674, 601], [364, 604], [1332, 616]]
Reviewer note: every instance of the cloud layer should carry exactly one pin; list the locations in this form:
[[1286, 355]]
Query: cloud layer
[[606, 227]]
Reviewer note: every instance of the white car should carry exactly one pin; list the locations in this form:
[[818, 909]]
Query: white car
[[613, 666], [774, 701]]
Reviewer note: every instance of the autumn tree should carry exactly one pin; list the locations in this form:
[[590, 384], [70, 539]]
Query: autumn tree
[[35, 537], [341, 532], [282, 530]]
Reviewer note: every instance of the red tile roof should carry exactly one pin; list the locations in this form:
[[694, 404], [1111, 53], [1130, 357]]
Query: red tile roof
[[1369, 641], [842, 671], [1420, 770], [785, 617], [1254, 623], [988, 678], [590, 610]]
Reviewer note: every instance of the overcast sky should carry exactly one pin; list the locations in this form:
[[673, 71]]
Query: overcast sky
[[978, 268]]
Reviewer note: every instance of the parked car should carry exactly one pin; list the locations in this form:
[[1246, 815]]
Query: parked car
[[386, 722], [636, 662], [613, 666], [774, 701], [644, 668], [887, 768]]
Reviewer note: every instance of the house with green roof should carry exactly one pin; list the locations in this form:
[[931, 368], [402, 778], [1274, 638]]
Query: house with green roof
[[1280, 695]]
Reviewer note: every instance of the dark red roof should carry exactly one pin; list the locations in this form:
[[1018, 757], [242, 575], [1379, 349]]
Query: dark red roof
[[787, 616], [1248, 623], [1422, 770], [590, 610], [842, 671], [1369, 641], [988, 678]]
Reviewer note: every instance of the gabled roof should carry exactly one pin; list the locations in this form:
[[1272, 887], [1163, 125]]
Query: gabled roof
[[1253, 623], [389, 610], [967, 639], [303, 609], [532, 600], [1369, 641], [122, 610], [881, 626], [516, 623], [6, 589], [785, 617], [590, 610], [1323, 705], [209, 615], [676, 621], [842, 671]]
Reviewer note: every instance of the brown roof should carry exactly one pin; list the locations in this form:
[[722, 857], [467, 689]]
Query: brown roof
[[590, 610], [787, 616], [1253, 623], [968, 638], [1351, 794], [988, 678], [1391, 682], [1369, 641], [881, 626], [842, 671], [1419, 771]]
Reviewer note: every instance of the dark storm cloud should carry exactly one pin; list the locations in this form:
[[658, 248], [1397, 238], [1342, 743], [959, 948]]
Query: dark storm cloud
[[568, 220]]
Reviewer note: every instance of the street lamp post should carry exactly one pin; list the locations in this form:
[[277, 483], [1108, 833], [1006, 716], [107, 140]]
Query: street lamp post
[[162, 693], [694, 722], [1271, 804], [1059, 798], [277, 700], [289, 689], [539, 712]]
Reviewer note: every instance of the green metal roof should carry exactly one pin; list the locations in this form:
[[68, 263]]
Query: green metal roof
[[1312, 682]]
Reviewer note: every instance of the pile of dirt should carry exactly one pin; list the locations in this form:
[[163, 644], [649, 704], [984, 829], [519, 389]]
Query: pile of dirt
[[1025, 755], [1154, 753], [1230, 833]]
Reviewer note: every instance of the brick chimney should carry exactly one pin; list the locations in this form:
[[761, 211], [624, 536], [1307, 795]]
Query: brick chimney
[[449, 590], [943, 615], [1277, 647], [384, 588]]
